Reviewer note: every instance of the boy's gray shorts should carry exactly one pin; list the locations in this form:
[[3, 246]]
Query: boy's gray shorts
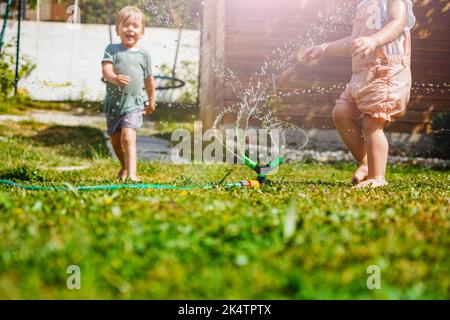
[[130, 120]]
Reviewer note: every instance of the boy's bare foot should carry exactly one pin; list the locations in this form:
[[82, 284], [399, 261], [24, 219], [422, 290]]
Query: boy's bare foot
[[371, 183], [122, 175], [360, 174], [134, 179]]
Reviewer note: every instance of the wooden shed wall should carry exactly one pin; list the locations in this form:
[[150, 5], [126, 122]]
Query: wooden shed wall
[[213, 52], [240, 34]]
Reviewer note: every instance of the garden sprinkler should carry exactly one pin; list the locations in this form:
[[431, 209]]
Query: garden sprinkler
[[261, 171]]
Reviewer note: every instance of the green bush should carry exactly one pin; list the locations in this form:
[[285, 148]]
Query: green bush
[[441, 135], [7, 70]]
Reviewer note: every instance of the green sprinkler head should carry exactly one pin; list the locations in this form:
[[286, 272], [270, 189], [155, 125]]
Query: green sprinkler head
[[262, 171]]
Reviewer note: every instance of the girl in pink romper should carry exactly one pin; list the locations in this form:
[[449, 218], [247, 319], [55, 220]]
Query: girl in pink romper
[[380, 87]]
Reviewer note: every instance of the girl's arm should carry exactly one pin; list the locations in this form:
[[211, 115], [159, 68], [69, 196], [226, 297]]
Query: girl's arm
[[339, 47], [150, 87], [110, 76], [364, 46]]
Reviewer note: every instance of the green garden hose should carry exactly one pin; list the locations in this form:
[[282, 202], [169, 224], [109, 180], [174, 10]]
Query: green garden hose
[[254, 184], [261, 171], [19, 20], [245, 183], [5, 20]]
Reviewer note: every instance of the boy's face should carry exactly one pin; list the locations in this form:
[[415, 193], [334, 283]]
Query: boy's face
[[130, 32]]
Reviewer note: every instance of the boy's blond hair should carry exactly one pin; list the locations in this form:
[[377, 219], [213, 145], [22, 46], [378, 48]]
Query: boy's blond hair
[[130, 13]]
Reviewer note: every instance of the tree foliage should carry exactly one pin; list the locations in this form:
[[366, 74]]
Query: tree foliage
[[160, 13]]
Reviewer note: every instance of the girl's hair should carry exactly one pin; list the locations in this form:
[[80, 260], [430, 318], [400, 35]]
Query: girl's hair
[[130, 13]]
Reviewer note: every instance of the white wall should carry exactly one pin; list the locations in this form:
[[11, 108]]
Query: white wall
[[69, 60]]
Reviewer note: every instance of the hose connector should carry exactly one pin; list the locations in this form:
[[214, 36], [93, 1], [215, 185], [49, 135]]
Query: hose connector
[[251, 184]]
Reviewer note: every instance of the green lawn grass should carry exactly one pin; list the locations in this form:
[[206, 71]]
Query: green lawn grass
[[213, 244]]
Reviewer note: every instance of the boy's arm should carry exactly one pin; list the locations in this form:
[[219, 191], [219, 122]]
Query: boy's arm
[[110, 76], [366, 45], [150, 87]]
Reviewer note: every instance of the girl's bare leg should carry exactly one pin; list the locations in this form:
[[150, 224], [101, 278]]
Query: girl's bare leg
[[117, 146], [128, 138], [377, 152], [351, 133]]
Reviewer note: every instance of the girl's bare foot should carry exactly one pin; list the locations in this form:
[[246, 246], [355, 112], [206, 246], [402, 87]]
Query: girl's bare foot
[[360, 174], [122, 175], [371, 183]]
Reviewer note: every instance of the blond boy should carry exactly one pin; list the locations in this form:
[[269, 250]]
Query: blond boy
[[130, 89]]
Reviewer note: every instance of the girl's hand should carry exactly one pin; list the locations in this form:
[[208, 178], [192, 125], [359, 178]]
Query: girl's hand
[[123, 80], [363, 46], [315, 52]]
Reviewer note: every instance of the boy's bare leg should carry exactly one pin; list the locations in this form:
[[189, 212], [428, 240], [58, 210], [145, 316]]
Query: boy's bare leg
[[128, 139], [377, 152], [351, 133], [117, 146]]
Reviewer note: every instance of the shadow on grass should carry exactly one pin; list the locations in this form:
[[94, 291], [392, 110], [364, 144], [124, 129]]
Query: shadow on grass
[[81, 141], [21, 104], [22, 173]]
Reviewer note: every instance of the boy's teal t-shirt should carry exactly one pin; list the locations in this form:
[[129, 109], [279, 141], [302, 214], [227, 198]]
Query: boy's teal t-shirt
[[135, 64]]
